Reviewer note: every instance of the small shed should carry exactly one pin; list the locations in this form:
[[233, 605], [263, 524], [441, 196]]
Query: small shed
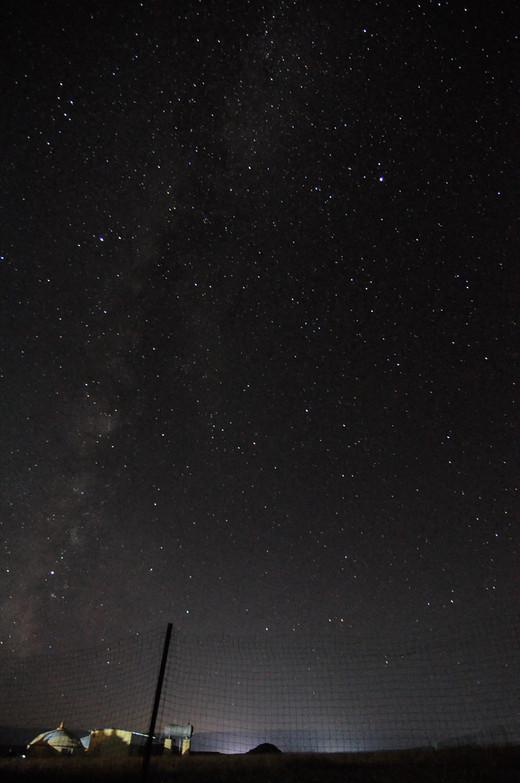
[[59, 740]]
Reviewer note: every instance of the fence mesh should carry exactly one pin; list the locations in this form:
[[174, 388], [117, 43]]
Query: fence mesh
[[337, 694]]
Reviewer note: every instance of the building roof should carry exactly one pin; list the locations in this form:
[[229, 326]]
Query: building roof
[[59, 739]]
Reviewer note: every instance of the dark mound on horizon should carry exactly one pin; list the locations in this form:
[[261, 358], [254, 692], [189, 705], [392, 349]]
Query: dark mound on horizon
[[265, 747]]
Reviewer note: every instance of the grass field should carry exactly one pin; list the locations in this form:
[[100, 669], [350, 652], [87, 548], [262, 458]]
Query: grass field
[[458, 765]]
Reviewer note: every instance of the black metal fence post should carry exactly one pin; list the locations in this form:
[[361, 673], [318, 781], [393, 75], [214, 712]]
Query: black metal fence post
[[155, 710]]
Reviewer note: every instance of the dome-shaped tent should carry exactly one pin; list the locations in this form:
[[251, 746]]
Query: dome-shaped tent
[[58, 740]]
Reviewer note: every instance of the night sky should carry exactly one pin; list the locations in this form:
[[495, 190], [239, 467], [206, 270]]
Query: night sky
[[259, 318]]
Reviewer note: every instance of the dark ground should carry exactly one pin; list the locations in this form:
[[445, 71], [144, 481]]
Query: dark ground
[[460, 765]]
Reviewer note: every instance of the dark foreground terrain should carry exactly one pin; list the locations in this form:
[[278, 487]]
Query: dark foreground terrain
[[458, 765]]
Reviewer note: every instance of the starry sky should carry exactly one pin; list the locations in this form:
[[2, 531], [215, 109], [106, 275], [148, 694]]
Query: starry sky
[[259, 318]]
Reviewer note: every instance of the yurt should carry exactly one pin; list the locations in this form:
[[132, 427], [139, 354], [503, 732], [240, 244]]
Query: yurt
[[58, 740]]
